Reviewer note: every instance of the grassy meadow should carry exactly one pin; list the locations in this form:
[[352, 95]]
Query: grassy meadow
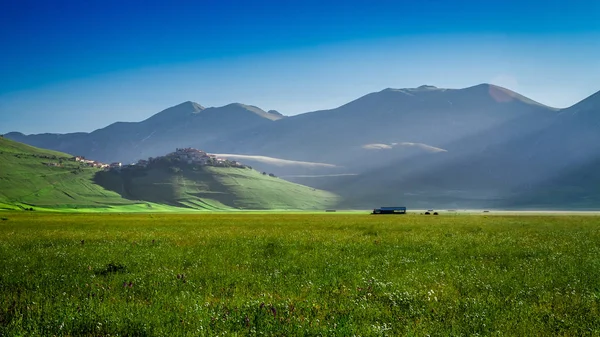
[[298, 274]]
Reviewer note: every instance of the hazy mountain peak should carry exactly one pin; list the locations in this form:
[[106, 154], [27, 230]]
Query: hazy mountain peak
[[193, 106], [427, 87], [489, 86], [415, 91], [501, 94], [589, 104], [250, 108], [13, 134], [275, 112], [182, 109], [178, 111]]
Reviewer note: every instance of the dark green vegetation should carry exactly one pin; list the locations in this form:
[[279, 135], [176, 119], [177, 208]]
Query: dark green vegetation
[[32, 177], [330, 274]]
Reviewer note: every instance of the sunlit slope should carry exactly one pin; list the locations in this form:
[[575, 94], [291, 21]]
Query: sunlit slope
[[215, 188], [255, 190], [26, 179]]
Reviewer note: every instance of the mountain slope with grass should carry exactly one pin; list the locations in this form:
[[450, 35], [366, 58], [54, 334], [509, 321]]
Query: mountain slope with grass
[[44, 179], [32, 177], [209, 187]]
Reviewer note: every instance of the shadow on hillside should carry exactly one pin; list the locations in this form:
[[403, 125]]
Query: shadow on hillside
[[138, 185], [575, 187], [116, 182], [184, 188], [479, 171]]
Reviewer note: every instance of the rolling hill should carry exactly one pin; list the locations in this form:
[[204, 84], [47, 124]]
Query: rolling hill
[[214, 188], [32, 177], [27, 178]]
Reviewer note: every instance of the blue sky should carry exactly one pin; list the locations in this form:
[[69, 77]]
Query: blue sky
[[81, 65]]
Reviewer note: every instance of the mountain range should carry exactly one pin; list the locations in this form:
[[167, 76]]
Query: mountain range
[[482, 146], [186, 123]]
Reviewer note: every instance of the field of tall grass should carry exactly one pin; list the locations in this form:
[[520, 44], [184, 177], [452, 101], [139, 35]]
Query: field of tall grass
[[298, 274]]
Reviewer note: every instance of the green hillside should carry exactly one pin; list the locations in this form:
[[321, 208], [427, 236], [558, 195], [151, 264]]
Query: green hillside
[[214, 188], [43, 179], [28, 179]]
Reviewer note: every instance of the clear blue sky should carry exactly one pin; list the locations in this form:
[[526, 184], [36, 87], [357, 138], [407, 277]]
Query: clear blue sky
[[80, 65]]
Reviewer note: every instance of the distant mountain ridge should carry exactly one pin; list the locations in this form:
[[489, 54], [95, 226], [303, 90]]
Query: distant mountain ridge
[[186, 124], [523, 163], [430, 116], [482, 145]]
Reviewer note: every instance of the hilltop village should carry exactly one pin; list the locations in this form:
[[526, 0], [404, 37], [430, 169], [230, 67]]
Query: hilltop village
[[185, 156]]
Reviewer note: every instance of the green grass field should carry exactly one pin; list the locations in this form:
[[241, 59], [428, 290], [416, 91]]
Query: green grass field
[[298, 274]]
